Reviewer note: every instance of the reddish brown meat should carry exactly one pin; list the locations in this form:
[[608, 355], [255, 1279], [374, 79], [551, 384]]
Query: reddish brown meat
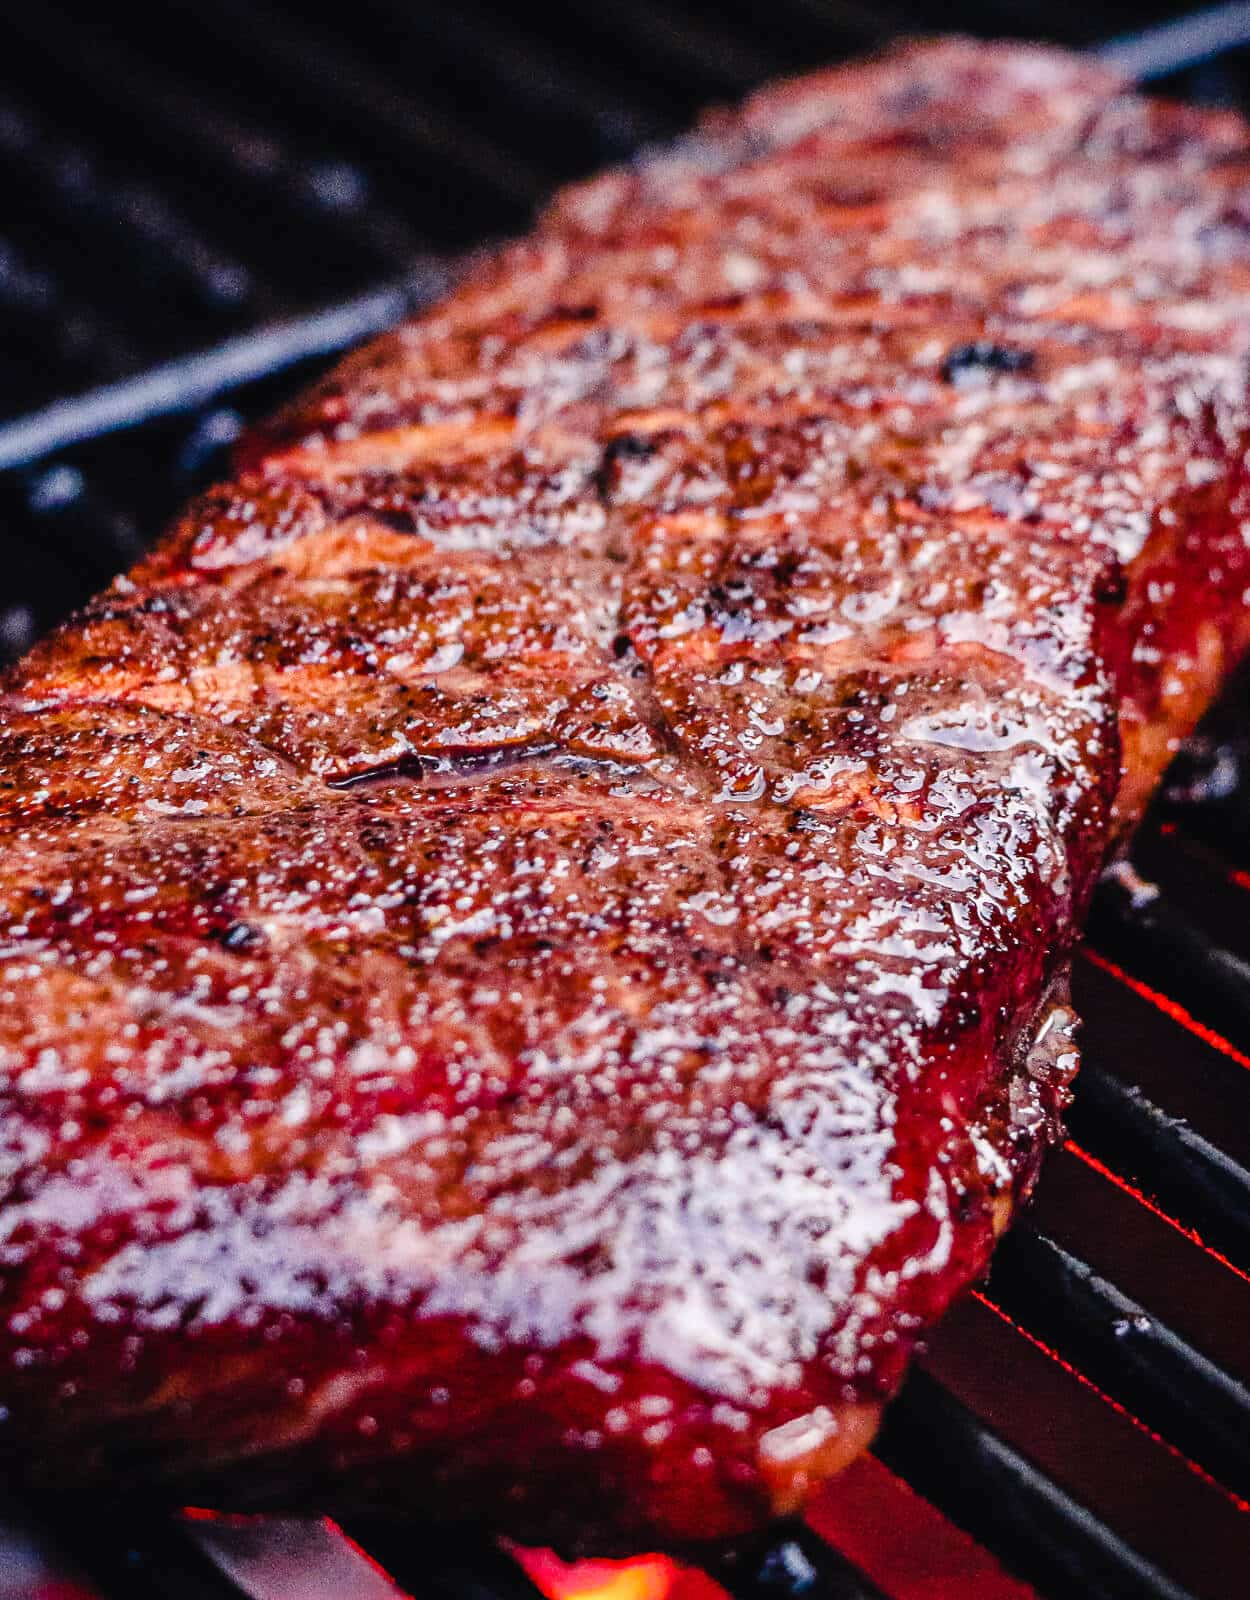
[[533, 926]]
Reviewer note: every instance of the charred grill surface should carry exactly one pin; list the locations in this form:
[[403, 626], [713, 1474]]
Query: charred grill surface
[[534, 924]]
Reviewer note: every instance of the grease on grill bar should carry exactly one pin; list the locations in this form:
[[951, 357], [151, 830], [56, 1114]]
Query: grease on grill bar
[[1081, 1428]]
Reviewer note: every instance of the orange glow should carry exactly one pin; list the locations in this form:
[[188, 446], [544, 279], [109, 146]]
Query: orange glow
[[640, 1578]]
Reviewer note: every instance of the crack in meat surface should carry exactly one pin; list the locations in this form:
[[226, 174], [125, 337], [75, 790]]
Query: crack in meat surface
[[532, 924]]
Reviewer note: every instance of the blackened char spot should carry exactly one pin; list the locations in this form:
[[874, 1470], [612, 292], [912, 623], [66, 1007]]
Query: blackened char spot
[[1112, 586], [971, 363], [627, 446], [621, 448]]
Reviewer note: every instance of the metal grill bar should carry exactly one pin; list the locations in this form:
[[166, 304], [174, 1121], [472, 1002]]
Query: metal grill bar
[[1187, 1174], [1199, 1080], [1127, 1351], [1189, 41], [949, 1455], [904, 1542], [282, 1558], [1142, 1487], [1151, 1106], [182, 385], [1116, 1233], [1161, 941]]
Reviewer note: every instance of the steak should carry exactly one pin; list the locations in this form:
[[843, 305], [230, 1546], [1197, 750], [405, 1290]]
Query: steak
[[534, 923]]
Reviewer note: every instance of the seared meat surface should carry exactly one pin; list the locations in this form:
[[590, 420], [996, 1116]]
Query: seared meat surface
[[533, 925]]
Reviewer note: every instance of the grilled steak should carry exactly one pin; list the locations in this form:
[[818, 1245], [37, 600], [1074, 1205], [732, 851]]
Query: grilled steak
[[534, 923]]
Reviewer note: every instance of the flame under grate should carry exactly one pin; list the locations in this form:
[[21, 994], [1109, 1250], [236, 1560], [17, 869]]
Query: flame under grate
[[1082, 1426]]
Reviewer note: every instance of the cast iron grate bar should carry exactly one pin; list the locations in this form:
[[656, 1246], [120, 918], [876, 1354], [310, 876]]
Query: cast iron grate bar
[[1036, 1399], [1127, 1351], [191, 381], [1165, 1052], [1147, 933], [215, 372], [1118, 1232], [1188, 1175], [950, 1456]]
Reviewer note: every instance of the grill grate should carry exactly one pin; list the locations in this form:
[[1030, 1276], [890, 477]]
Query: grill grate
[[1082, 1426]]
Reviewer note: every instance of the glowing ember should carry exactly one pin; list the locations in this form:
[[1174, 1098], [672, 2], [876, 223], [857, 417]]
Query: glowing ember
[[641, 1578]]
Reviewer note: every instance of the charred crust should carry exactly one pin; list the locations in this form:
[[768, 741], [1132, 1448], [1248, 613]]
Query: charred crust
[[981, 359]]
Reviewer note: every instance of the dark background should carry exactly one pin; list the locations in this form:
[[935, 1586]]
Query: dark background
[[171, 174]]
